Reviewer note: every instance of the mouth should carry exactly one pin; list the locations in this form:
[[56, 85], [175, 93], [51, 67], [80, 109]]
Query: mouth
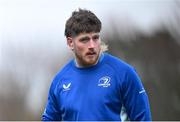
[[91, 53]]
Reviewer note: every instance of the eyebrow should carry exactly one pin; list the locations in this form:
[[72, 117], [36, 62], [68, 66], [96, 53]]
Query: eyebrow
[[84, 38], [95, 36], [87, 37]]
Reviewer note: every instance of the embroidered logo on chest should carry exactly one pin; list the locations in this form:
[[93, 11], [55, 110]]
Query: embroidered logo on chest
[[104, 81], [66, 87]]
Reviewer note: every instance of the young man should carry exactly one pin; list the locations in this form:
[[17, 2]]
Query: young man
[[94, 85]]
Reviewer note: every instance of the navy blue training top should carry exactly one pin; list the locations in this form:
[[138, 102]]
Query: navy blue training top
[[97, 93]]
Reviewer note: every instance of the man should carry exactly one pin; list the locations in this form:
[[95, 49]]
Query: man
[[94, 85]]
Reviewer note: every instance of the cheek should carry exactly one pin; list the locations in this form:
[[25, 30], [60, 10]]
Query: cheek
[[98, 46], [80, 48]]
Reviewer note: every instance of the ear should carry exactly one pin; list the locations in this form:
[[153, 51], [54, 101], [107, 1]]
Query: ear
[[70, 43]]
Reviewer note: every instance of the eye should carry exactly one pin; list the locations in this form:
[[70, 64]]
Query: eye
[[84, 39], [96, 37]]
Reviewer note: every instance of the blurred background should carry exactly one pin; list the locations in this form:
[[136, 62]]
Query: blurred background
[[144, 33]]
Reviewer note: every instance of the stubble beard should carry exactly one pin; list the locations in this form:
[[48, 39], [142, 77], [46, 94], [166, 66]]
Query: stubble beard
[[85, 61]]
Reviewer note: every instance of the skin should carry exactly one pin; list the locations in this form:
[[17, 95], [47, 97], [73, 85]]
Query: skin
[[86, 48]]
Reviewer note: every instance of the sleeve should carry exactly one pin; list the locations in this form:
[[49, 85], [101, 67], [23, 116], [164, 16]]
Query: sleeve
[[135, 99], [51, 112]]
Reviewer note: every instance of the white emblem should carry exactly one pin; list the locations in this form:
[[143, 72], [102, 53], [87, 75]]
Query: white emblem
[[104, 81], [142, 91], [66, 87]]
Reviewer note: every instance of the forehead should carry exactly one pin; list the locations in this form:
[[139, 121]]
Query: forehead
[[82, 35]]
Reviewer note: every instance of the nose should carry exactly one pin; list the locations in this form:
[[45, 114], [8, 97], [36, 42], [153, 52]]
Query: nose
[[91, 44]]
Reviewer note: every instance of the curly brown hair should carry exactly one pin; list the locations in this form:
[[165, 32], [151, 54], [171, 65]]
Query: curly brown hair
[[82, 21]]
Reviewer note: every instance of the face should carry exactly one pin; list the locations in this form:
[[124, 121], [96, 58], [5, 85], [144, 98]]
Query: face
[[86, 47]]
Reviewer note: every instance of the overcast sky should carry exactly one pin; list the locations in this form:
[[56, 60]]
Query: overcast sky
[[28, 18]]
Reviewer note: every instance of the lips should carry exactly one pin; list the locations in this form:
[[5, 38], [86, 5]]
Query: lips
[[91, 53]]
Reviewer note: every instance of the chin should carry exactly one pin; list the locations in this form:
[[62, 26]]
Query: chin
[[91, 62]]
